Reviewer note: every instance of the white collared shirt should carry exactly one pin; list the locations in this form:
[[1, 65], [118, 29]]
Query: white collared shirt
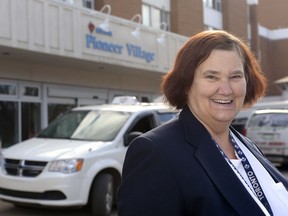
[[275, 193]]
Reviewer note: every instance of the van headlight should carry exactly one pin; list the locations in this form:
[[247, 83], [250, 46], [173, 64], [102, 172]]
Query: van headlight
[[66, 166]]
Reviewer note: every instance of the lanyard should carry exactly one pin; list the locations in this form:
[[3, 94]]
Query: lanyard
[[249, 171]]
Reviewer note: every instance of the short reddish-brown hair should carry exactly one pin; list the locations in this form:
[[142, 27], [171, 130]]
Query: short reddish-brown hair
[[177, 82]]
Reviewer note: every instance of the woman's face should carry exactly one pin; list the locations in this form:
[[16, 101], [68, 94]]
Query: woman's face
[[218, 89]]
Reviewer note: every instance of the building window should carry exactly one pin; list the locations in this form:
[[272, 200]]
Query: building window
[[208, 28], [68, 1], [31, 91], [55, 110], [8, 123], [30, 119], [85, 3], [8, 89], [213, 4], [88, 4], [153, 16]]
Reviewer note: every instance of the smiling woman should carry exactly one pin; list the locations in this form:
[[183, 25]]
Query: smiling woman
[[218, 90], [197, 164]]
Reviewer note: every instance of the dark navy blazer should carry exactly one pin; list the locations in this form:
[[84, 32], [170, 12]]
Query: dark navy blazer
[[176, 170]]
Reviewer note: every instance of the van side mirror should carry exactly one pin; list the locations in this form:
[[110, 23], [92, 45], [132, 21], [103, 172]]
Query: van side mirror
[[131, 136]]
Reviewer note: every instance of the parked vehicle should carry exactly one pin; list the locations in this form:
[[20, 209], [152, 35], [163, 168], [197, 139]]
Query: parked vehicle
[[269, 130], [77, 160], [240, 120]]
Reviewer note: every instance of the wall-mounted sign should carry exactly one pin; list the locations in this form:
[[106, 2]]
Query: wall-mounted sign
[[129, 49]]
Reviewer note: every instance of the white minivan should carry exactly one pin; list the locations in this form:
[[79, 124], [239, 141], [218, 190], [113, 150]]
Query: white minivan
[[77, 160], [268, 128], [240, 120]]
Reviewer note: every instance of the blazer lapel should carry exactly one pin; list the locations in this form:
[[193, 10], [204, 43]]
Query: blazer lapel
[[216, 166]]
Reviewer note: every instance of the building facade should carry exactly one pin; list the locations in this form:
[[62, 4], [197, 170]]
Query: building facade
[[58, 54]]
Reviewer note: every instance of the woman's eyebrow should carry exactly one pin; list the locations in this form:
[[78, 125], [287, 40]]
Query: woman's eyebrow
[[238, 72], [210, 72], [218, 72]]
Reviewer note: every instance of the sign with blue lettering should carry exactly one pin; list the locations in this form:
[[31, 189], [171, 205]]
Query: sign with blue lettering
[[94, 41]]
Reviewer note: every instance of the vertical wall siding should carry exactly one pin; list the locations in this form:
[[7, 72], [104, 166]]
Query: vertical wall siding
[[54, 27], [5, 12], [21, 15], [37, 16]]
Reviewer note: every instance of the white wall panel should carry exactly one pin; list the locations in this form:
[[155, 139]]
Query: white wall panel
[[21, 13], [54, 22], [5, 19], [67, 27], [38, 22]]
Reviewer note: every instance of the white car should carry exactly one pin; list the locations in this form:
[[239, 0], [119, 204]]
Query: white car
[[268, 128], [77, 160]]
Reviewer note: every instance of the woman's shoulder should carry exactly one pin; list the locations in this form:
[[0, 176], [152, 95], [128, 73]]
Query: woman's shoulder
[[166, 138], [167, 130]]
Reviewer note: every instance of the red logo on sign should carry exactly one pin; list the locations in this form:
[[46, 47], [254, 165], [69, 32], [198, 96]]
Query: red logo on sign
[[91, 27]]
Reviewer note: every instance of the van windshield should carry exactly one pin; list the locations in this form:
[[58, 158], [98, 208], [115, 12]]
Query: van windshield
[[269, 120], [86, 125]]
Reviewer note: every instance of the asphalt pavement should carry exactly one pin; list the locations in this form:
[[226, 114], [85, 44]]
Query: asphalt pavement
[[8, 209]]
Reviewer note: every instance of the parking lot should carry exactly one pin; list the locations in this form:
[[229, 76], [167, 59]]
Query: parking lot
[[8, 209]]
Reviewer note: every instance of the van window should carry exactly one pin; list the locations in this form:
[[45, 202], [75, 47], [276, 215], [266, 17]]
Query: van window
[[97, 125], [166, 116], [279, 120], [144, 124]]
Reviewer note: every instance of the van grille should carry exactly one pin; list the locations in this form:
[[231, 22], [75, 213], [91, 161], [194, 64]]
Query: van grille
[[25, 168]]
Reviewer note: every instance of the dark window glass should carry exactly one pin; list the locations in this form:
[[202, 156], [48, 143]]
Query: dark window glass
[[31, 119], [8, 123], [31, 91], [7, 89], [54, 110]]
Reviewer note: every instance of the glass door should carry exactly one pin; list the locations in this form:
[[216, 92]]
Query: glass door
[[8, 123], [30, 119], [58, 106]]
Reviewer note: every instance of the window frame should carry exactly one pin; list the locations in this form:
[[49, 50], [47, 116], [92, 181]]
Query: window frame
[[164, 16]]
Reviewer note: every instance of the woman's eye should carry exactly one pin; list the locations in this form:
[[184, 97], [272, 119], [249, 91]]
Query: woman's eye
[[211, 77], [237, 76]]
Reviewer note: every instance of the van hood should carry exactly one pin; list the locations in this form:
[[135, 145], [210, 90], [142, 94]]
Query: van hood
[[51, 149]]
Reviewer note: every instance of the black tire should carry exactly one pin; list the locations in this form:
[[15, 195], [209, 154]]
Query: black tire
[[102, 195]]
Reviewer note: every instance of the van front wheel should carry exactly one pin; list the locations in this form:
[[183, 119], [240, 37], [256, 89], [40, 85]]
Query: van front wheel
[[102, 195]]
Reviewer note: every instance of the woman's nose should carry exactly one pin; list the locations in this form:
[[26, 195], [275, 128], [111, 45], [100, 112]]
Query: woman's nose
[[225, 87]]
